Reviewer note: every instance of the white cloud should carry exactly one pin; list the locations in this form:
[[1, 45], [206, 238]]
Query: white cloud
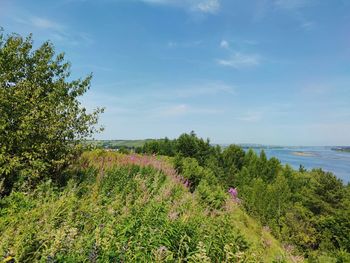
[[308, 25], [224, 44], [237, 59], [202, 6], [240, 60], [209, 6], [39, 23], [45, 23]]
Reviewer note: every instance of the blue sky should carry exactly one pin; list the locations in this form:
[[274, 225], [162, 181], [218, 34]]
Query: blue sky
[[264, 71]]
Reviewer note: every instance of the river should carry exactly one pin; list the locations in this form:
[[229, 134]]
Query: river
[[312, 157]]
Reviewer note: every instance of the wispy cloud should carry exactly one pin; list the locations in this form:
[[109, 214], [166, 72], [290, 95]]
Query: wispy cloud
[[240, 60], [255, 114], [224, 44], [41, 23], [210, 89], [197, 90], [184, 44], [291, 4], [295, 8], [251, 116], [45, 23], [208, 6], [202, 6], [51, 29], [183, 109], [320, 86], [175, 110], [308, 25]]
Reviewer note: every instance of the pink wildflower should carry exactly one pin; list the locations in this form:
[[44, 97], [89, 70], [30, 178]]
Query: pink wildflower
[[187, 183], [233, 192]]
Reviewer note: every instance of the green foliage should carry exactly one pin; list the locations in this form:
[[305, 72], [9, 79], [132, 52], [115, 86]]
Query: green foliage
[[233, 160], [41, 119], [124, 213], [233, 155], [307, 209], [191, 170], [162, 147], [187, 145], [211, 194]]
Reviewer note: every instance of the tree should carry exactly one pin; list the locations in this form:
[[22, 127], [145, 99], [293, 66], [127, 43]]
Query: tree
[[41, 119], [187, 145], [233, 157]]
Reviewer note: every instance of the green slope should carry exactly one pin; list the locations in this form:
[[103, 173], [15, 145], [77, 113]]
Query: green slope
[[119, 208], [115, 144]]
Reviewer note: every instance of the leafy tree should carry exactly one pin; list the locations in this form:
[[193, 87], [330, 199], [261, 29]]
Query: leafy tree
[[279, 200], [274, 166], [262, 166], [251, 162], [41, 118], [151, 147], [233, 157], [192, 171], [243, 178], [187, 145]]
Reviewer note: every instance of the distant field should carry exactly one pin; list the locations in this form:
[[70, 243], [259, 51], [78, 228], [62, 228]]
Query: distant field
[[116, 144]]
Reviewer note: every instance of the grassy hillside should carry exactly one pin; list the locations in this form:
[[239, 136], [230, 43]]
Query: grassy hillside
[[128, 208]]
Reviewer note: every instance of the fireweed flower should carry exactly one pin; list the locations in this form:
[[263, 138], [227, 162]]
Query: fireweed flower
[[233, 192], [152, 161], [187, 183]]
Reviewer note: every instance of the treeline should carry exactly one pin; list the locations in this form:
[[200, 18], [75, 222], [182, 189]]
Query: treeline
[[309, 210]]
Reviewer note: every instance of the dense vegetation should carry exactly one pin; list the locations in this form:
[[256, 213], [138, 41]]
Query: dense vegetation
[[120, 208], [309, 210]]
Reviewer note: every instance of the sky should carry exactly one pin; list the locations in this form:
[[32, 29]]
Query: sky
[[257, 71]]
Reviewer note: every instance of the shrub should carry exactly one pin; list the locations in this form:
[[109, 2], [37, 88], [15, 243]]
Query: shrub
[[41, 118]]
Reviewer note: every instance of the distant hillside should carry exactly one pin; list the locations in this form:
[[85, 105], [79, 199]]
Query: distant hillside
[[117, 144]]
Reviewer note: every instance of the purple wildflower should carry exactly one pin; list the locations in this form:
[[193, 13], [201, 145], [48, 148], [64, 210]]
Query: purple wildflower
[[187, 183], [233, 192]]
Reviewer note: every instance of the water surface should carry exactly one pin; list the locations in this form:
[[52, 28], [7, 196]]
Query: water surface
[[313, 157]]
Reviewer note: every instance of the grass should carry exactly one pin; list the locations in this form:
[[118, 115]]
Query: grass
[[122, 208]]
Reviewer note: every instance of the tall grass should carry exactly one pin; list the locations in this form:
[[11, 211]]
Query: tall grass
[[128, 208]]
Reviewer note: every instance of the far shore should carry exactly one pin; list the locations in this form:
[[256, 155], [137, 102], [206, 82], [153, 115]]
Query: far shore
[[306, 154]]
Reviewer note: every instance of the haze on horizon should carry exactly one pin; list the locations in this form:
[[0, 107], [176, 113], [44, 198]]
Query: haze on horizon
[[273, 72]]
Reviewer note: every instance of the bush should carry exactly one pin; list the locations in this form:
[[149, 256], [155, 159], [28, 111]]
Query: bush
[[211, 194], [41, 119]]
